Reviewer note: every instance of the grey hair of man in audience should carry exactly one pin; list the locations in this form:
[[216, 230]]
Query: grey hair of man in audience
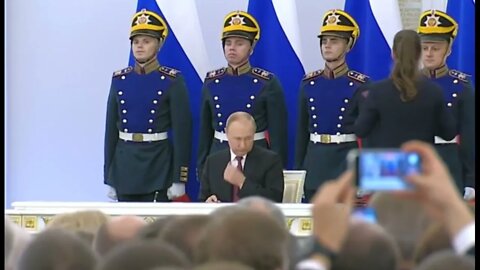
[[57, 248], [265, 206], [16, 240], [367, 247], [447, 260], [144, 255]]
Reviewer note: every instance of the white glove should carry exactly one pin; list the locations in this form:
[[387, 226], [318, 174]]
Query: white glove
[[176, 190], [112, 194], [469, 193]]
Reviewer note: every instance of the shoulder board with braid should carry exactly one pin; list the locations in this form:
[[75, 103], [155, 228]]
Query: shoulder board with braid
[[312, 75], [171, 72], [122, 71], [215, 73], [360, 77], [459, 75], [266, 75]]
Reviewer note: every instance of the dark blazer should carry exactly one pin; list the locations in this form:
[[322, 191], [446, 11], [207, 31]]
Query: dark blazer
[[263, 171], [386, 121]]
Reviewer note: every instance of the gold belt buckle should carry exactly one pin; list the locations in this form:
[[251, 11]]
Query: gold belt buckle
[[325, 138], [137, 137]]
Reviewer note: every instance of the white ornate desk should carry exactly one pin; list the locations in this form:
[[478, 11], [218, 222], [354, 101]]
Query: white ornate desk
[[33, 216]]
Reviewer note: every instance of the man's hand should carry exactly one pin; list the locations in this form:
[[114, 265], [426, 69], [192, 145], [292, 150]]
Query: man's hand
[[176, 190], [233, 175], [332, 205], [212, 199], [435, 189]]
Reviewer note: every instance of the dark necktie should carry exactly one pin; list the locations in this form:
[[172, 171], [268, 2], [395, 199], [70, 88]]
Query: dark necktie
[[235, 196]]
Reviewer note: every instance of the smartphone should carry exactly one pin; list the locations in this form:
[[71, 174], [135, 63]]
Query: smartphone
[[365, 213], [383, 169]]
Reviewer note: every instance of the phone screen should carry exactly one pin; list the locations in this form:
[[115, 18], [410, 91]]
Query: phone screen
[[385, 170]]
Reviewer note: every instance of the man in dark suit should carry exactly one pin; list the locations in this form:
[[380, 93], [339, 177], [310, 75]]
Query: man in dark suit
[[244, 169]]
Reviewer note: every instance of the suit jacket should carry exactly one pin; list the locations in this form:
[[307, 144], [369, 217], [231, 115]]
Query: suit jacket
[[263, 171], [386, 121]]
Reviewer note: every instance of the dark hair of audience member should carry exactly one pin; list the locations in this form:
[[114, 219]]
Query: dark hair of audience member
[[144, 255], [367, 247], [223, 266], [184, 233], [57, 248], [447, 260], [153, 229]]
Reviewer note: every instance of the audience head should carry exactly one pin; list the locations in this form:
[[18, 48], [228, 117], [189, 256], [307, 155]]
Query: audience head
[[143, 255], [447, 260], [83, 223], [153, 229], [223, 266], [244, 236], [367, 246], [115, 231], [434, 239], [264, 206], [404, 220], [56, 248], [184, 233], [16, 240]]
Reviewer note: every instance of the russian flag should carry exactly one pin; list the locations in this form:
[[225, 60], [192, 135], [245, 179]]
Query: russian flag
[[463, 49], [184, 49], [278, 51], [379, 21]]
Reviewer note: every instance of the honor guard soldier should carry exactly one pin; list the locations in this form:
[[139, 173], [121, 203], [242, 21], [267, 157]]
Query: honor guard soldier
[[322, 142], [146, 101], [438, 31], [240, 87]]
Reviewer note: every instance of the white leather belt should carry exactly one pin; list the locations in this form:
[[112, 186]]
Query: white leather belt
[[221, 136], [327, 138], [439, 140], [142, 137]]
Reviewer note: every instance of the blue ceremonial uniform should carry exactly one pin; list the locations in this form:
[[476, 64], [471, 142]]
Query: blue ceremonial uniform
[[247, 89], [322, 142], [458, 154], [143, 105]]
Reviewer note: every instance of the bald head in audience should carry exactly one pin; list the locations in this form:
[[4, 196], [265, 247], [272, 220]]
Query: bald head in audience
[[117, 230]]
